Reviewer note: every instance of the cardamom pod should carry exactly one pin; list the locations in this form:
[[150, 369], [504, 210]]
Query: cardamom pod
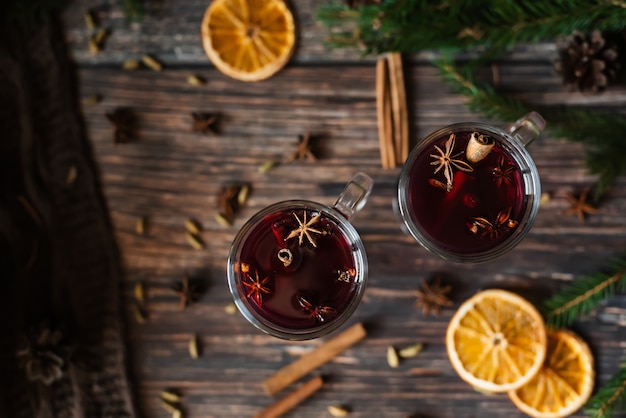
[[140, 226], [170, 397], [392, 357], [195, 241], [267, 166], [410, 351], [90, 20], [130, 64], [194, 348], [230, 309], [338, 411], [151, 63], [192, 226], [139, 293], [196, 80], [242, 195], [222, 220]]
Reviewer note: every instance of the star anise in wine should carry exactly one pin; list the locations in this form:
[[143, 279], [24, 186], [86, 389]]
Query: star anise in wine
[[188, 290], [432, 297], [304, 150], [205, 122], [256, 287], [579, 205], [503, 172], [500, 225], [42, 357], [305, 229], [124, 123], [444, 160], [321, 313]]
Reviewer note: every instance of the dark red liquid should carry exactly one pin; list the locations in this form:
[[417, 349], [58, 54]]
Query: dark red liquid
[[315, 288], [473, 216]]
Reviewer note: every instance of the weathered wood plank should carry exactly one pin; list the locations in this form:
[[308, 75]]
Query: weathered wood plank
[[171, 174]]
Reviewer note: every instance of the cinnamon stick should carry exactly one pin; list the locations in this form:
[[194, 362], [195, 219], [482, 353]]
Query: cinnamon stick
[[388, 125], [310, 361], [292, 400], [400, 113], [381, 81]]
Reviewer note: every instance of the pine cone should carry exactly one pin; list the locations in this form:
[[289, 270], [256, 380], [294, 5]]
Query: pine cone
[[587, 63]]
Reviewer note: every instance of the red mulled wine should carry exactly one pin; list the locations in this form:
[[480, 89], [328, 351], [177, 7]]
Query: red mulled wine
[[466, 200], [297, 269]]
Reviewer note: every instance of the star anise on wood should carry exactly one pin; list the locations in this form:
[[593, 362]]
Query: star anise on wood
[[189, 291], [124, 123], [446, 161], [305, 229], [205, 122], [432, 297], [304, 151], [41, 357], [579, 205]]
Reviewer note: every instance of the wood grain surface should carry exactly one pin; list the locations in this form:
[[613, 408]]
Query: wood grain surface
[[171, 173]]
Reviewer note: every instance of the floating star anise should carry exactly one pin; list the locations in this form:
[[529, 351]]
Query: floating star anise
[[256, 287], [124, 124], [579, 205], [432, 297], [320, 312], [446, 161], [189, 291], [305, 229], [303, 152], [503, 172], [501, 224], [205, 122], [41, 357]]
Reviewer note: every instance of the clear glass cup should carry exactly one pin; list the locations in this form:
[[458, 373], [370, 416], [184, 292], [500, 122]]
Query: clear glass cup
[[298, 269], [470, 192]]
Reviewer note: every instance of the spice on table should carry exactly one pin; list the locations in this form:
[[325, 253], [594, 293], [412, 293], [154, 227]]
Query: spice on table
[[410, 351], [140, 225], [312, 360], [130, 64], [579, 205], [230, 309], [140, 292], [92, 99], [192, 226], [140, 314], [267, 166], [205, 122], [195, 241], [221, 219], [242, 195], [432, 297], [171, 397], [292, 400], [124, 123], [392, 357], [194, 347], [228, 201], [91, 22], [152, 63], [72, 174], [196, 80], [338, 410], [42, 357], [304, 150], [172, 409], [188, 291]]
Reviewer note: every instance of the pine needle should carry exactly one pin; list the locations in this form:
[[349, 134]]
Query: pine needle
[[584, 294], [610, 396]]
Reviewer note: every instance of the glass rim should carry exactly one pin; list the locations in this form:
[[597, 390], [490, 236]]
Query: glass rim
[[532, 191], [267, 326]]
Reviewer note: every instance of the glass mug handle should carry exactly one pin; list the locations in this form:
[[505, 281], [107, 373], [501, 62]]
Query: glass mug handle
[[354, 196], [527, 128]]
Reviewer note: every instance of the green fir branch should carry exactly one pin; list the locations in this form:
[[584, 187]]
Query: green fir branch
[[610, 396], [584, 294], [418, 25], [601, 134]]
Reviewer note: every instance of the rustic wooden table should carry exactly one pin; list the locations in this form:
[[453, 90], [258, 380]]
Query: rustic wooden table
[[171, 174]]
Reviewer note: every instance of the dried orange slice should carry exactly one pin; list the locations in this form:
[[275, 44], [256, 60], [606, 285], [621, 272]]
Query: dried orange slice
[[248, 40], [496, 341], [564, 383]]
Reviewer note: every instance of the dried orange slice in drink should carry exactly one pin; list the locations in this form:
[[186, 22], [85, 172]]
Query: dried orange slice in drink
[[496, 341], [564, 383], [248, 40]]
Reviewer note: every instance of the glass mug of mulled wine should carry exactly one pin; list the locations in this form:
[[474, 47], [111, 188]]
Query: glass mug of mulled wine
[[297, 269], [470, 192]]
